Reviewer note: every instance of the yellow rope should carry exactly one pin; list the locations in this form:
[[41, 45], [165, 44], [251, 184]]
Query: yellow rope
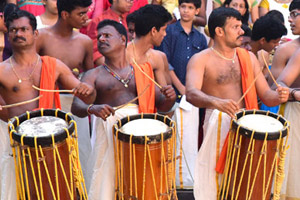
[[257, 166], [122, 173], [33, 174], [218, 148], [282, 109], [115, 157], [25, 166], [39, 167], [161, 165], [47, 173], [152, 173], [135, 176], [180, 154], [236, 168], [70, 158], [118, 165], [21, 173], [130, 165], [55, 167], [250, 168], [144, 173]]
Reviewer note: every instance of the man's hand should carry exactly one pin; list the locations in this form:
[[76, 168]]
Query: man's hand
[[228, 106], [169, 92], [102, 111], [283, 93], [83, 89]]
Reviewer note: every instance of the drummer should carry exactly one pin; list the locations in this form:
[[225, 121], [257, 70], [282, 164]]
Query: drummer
[[116, 82], [217, 78], [26, 68]]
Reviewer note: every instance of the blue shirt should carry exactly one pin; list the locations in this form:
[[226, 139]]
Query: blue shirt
[[180, 47]]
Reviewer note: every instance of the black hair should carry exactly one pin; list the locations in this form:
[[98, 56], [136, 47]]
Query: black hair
[[247, 30], [150, 16], [18, 14], [245, 17], [269, 28], [131, 17], [218, 18], [70, 5], [119, 27], [276, 15], [9, 8], [110, 1], [2, 5], [295, 4], [197, 3]]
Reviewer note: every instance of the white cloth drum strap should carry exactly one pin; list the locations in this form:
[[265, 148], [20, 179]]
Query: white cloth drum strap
[[7, 169], [101, 166], [205, 174]]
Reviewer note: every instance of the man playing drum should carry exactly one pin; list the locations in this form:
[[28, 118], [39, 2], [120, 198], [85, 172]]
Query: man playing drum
[[216, 79], [24, 69], [116, 83]]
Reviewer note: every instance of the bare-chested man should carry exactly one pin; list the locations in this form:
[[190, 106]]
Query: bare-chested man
[[116, 83], [150, 29], [17, 75], [285, 51], [216, 80], [63, 42]]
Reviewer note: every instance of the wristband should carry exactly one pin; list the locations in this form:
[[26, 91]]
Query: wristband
[[88, 109], [293, 94]]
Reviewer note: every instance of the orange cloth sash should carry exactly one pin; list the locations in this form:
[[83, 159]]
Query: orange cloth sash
[[147, 100], [250, 98], [49, 100]]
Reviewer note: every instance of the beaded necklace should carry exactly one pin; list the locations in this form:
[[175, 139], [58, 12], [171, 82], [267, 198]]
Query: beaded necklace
[[118, 77]]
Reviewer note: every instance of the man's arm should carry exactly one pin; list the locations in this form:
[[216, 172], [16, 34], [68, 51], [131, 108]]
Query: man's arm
[[88, 58], [82, 90], [177, 83], [194, 82], [200, 19], [165, 98], [264, 92]]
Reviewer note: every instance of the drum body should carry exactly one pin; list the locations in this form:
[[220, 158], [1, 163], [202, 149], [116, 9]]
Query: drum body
[[44, 145], [145, 158], [253, 155]]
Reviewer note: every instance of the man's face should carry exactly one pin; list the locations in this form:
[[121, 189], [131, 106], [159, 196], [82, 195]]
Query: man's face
[[294, 20], [123, 6], [109, 40], [187, 11], [269, 46], [2, 24], [158, 36], [78, 17], [20, 33], [233, 32], [246, 43], [50, 6], [131, 31]]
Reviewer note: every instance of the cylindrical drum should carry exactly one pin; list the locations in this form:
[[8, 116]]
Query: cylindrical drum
[[45, 149], [145, 157], [256, 151]]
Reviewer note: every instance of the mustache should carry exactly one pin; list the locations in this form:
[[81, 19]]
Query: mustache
[[21, 38], [239, 37]]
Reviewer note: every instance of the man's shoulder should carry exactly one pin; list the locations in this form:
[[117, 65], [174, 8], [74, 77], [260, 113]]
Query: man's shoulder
[[80, 36]]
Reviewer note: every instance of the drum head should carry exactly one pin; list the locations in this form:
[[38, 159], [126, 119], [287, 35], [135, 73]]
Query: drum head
[[151, 125], [42, 125], [261, 122]]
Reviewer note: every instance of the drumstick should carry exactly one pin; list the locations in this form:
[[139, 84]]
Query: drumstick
[[46, 90], [248, 89], [146, 74], [270, 73], [123, 105], [21, 103]]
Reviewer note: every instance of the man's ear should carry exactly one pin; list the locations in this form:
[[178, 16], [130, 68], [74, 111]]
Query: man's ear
[[219, 31], [262, 41], [64, 14], [197, 11], [36, 33], [123, 39], [153, 31]]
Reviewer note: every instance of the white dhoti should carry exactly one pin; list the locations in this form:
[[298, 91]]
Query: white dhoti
[[8, 189], [101, 165], [205, 187], [291, 185], [83, 130], [187, 122]]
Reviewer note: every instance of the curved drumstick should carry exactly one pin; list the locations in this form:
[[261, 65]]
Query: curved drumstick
[[270, 73], [46, 90], [22, 103], [125, 104]]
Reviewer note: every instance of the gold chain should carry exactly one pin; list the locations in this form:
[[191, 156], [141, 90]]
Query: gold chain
[[127, 76], [26, 79], [219, 54]]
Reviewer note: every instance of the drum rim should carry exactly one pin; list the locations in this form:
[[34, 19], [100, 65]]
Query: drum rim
[[257, 134], [42, 140], [153, 139]]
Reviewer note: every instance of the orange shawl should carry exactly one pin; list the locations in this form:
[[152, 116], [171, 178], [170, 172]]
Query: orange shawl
[[250, 98], [147, 100], [49, 99]]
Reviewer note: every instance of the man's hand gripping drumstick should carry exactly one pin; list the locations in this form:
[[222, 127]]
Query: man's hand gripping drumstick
[[20, 103]]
